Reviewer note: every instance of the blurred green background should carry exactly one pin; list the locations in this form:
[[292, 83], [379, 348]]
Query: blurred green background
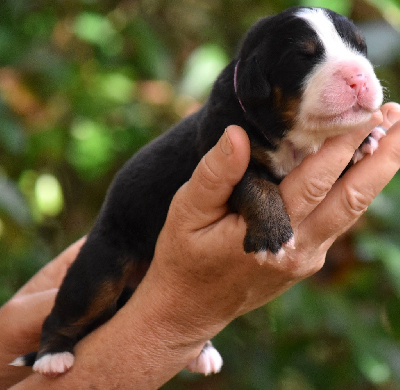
[[86, 83]]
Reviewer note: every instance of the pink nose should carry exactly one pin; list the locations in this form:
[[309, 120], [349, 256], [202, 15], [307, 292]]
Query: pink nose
[[357, 81]]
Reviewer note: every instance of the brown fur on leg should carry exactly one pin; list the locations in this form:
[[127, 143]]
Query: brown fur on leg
[[260, 203]]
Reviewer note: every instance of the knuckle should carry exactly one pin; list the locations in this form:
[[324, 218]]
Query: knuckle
[[355, 201], [207, 175], [9, 312], [180, 211], [395, 153], [184, 214], [8, 309], [303, 263], [315, 189]]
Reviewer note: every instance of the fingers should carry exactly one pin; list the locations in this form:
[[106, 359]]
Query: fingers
[[203, 199], [53, 273], [391, 114], [32, 309], [353, 193], [307, 185]]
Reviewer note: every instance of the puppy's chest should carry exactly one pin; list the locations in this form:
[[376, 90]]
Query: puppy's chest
[[284, 159]]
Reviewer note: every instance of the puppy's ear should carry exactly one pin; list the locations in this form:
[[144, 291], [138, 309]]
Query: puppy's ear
[[252, 88]]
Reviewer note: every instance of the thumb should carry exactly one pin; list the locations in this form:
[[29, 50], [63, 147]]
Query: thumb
[[24, 316], [391, 114], [203, 199]]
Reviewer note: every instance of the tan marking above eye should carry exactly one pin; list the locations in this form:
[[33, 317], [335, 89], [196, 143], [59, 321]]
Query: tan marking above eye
[[278, 95], [310, 46], [359, 39]]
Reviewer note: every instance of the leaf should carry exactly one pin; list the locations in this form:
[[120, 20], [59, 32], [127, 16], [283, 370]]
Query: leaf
[[390, 10], [98, 30], [340, 6], [392, 316], [13, 203], [94, 28], [150, 53], [375, 246], [91, 149], [202, 69], [12, 136]]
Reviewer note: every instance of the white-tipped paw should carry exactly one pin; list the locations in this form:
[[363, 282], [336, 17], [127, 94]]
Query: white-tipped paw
[[53, 364], [18, 362], [208, 362], [262, 256], [370, 145]]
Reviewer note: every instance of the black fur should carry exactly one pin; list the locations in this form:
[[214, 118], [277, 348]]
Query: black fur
[[278, 52]]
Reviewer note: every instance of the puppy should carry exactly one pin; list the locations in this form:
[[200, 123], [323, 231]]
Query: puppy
[[299, 77]]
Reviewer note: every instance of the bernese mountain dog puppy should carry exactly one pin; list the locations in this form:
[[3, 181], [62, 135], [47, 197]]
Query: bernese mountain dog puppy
[[298, 78]]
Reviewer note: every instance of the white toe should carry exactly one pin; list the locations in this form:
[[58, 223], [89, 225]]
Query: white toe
[[378, 133], [370, 147], [357, 156], [53, 364], [291, 243], [18, 362], [280, 255], [261, 257], [208, 362]]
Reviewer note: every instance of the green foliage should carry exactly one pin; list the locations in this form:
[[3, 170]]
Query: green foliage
[[341, 6], [201, 70], [85, 83]]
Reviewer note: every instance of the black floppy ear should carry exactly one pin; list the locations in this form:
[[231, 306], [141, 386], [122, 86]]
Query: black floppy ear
[[252, 88]]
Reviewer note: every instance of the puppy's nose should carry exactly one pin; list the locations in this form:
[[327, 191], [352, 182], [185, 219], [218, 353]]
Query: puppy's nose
[[357, 81]]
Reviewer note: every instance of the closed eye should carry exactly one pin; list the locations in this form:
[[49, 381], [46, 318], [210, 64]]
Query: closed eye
[[309, 47]]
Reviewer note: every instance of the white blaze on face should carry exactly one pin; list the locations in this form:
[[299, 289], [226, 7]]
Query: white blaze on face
[[342, 90]]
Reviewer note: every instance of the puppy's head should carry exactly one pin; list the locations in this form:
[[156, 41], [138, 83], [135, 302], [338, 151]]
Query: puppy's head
[[303, 75]]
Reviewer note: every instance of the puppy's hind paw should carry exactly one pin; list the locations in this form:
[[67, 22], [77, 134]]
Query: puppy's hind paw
[[370, 144], [53, 364], [208, 362], [18, 362], [25, 360]]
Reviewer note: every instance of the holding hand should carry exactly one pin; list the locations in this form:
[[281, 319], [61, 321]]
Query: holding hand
[[200, 278]]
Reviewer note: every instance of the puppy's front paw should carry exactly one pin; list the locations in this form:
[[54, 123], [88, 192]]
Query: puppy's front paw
[[369, 145], [263, 255], [260, 203], [266, 236], [208, 362], [53, 364]]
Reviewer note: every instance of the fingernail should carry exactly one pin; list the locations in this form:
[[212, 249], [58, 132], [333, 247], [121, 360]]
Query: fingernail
[[226, 145], [393, 116]]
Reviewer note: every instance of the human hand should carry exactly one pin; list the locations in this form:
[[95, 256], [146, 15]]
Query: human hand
[[21, 318], [200, 278], [199, 254], [391, 114]]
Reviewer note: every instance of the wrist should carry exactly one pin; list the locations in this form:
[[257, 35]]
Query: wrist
[[176, 309], [155, 331], [10, 375]]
